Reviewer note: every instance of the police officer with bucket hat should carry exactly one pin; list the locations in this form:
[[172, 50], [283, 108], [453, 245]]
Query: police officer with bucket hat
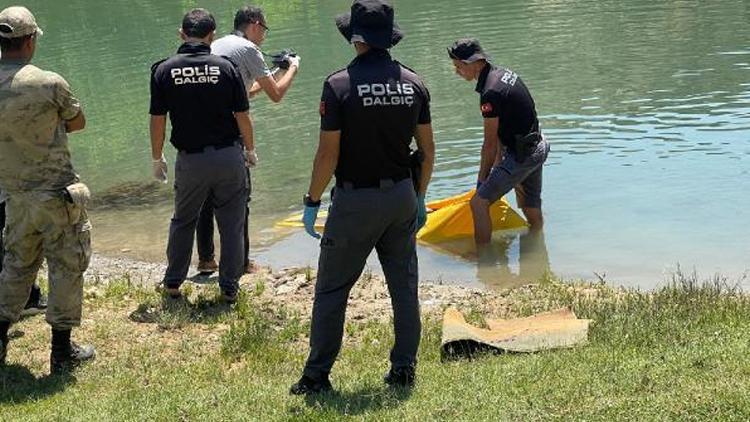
[[370, 111]]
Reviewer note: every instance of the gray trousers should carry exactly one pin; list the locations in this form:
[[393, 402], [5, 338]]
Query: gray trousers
[[360, 220], [217, 175]]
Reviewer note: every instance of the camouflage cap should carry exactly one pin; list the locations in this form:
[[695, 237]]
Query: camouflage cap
[[16, 22]]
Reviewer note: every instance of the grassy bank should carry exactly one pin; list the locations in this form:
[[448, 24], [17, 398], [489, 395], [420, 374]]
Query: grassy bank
[[682, 352]]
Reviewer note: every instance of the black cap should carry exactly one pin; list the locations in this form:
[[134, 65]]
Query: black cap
[[467, 50], [198, 23], [371, 22]]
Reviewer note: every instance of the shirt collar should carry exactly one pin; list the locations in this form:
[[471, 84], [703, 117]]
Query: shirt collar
[[482, 80], [194, 48], [372, 55]]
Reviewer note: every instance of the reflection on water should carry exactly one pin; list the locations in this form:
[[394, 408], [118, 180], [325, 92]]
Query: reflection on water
[[511, 259], [646, 105]]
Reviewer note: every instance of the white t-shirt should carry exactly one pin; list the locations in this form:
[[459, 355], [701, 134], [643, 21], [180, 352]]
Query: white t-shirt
[[245, 54]]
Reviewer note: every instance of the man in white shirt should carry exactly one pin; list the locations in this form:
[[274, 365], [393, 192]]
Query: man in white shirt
[[242, 47]]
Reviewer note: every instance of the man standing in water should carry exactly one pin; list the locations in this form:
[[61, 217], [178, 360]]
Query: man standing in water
[[46, 204], [370, 112], [514, 149], [207, 105], [243, 47]]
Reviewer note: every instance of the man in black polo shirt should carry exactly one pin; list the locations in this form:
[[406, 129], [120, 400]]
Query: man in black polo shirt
[[514, 149], [370, 112], [206, 100]]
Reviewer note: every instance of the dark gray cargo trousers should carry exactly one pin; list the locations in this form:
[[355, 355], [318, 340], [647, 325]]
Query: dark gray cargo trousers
[[217, 175], [360, 220]]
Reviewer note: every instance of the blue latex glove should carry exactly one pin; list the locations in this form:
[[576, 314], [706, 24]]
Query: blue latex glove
[[308, 218], [421, 212]]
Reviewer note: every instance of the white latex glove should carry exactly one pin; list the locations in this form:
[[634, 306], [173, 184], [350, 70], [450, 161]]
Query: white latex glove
[[294, 61], [251, 158], [160, 169]]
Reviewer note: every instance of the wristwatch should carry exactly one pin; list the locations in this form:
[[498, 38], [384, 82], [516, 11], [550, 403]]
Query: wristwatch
[[307, 200]]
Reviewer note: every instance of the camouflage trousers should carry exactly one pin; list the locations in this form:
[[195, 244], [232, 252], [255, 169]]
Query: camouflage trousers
[[43, 226]]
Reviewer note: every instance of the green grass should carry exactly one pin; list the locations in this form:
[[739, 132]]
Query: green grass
[[679, 353]]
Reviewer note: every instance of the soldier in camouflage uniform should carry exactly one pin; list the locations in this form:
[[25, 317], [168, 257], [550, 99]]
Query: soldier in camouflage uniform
[[37, 303], [46, 203]]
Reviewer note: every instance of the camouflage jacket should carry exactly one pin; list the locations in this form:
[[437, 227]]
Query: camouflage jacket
[[34, 106]]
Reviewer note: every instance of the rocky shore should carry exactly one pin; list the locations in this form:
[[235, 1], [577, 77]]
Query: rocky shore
[[369, 299]]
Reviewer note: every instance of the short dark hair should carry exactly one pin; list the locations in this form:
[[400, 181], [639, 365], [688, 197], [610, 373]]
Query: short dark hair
[[198, 23], [13, 44], [247, 15]]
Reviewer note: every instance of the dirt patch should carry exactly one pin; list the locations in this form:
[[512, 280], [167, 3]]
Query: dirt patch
[[369, 299]]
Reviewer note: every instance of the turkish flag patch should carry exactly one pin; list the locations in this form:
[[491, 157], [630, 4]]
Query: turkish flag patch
[[486, 108], [322, 108]]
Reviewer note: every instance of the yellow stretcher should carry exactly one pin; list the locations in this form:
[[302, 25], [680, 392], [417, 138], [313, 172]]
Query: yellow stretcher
[[451, 219], [448, 219]]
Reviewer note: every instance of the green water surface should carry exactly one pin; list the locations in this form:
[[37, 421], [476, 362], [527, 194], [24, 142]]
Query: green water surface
[[646, 105]]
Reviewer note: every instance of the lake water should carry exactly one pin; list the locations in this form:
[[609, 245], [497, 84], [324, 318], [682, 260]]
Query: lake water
[[646, 105]]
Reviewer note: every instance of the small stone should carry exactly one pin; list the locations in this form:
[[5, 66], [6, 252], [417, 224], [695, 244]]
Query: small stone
[[285, 289]]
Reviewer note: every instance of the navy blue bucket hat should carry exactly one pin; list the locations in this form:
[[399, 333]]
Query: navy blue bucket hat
[[371, 22]]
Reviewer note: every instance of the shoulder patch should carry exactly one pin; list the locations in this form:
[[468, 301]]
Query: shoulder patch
[[322, 109], [486, 108]]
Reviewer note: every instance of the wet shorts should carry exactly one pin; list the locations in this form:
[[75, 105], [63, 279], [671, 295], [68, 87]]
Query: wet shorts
[[525, 177]]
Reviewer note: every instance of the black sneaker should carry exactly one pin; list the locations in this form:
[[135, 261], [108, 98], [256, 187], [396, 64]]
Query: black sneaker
[[62, 361], [400, 377], [307, 385], [36, 304]]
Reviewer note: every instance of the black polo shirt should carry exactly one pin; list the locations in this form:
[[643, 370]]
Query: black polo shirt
[[200, 92], [376, 103], [504, 95]]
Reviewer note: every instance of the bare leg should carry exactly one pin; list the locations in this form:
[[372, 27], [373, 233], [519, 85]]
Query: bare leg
[[534, 217], [480, 209]]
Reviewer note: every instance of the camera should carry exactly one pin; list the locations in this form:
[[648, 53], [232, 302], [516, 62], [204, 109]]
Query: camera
[[281, 59]]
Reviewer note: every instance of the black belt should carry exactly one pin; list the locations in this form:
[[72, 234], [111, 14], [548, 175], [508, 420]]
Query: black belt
[[203, 148], [372, 183]]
